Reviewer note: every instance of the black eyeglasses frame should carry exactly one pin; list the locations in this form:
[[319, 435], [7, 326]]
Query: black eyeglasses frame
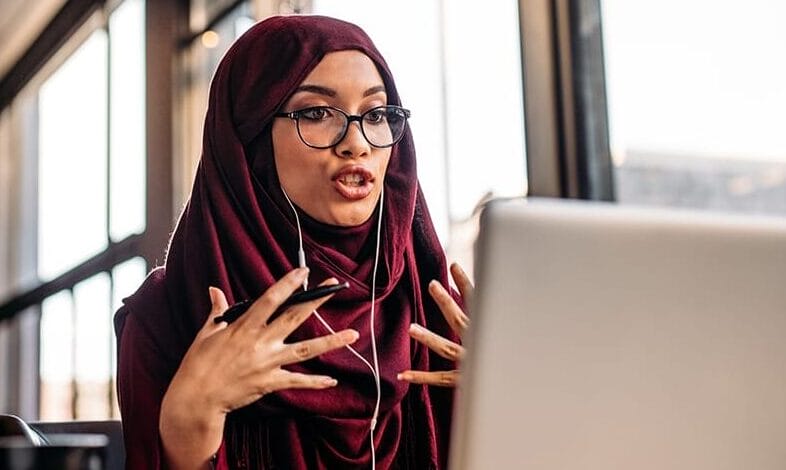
[[296, 114]]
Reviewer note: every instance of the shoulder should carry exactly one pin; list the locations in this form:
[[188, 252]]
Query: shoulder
[[146, 321], [152, 293], [152, 287]]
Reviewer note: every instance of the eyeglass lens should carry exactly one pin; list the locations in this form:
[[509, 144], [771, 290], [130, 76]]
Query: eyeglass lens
[[325, 127]]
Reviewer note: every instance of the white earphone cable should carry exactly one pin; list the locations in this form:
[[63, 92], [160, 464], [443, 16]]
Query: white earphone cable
[[372, 329], [301, 255], [375, 357]]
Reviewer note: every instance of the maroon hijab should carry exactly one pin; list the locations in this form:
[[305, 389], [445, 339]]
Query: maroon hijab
[[238, 233]]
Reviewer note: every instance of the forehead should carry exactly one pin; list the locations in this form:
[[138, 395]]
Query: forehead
[[344, 70]]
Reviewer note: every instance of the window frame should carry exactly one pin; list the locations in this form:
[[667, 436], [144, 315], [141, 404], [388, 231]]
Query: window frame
[[568, 153], [165, 24]]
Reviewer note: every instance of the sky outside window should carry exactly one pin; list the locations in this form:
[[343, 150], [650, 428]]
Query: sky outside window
[[72, 160]]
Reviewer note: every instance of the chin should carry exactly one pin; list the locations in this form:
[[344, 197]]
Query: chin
[[350, 221], [350, 218]]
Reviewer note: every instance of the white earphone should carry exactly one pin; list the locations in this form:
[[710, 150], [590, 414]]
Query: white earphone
[[301, 256]]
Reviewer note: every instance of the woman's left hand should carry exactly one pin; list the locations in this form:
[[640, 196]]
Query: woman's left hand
[[457, 320]]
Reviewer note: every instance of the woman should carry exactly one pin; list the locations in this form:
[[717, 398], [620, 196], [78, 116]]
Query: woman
[[307, 160]]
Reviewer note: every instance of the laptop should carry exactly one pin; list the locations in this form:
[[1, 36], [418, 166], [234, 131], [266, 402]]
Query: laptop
[[612, 337]]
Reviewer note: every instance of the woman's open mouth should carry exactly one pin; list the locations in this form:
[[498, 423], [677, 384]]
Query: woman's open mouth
[[353, 182]]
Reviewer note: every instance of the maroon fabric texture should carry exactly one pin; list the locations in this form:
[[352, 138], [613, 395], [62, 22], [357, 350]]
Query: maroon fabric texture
[[238, 233]]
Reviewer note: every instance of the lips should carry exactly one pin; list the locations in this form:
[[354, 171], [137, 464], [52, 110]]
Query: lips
[[353, 182]]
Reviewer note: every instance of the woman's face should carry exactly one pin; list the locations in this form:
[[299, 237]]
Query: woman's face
[[339, 185]]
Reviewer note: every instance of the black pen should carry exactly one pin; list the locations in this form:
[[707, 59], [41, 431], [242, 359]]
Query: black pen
[[235, 311]]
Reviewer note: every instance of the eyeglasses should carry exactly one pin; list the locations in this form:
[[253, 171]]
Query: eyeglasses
[[322, 127]]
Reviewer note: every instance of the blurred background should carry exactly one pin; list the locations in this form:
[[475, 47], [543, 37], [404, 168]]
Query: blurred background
[[101, 105]]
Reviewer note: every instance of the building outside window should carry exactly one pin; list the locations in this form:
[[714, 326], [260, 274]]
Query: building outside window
[[696, 100]]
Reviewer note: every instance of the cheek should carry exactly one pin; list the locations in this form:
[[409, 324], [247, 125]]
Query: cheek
[[287, 155], [280, 147], [383, 164]]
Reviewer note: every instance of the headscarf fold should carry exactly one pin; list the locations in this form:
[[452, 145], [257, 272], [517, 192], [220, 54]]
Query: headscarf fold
[[237, 232]]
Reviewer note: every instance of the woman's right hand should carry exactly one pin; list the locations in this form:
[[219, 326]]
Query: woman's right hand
[[230, 366]]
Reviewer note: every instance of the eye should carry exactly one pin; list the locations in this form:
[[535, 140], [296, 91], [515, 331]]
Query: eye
[[376, 116], [318, 113]]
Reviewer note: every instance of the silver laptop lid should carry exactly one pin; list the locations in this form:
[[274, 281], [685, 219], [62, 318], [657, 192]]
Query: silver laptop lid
[[608, 337]]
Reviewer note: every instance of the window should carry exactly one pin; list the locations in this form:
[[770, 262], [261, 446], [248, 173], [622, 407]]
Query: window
[[91, 183], [696, 100], [200, 60], [127, 120], [457, 66], [72, 160]]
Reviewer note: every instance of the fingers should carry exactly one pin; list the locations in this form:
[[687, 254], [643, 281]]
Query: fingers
[[448, 378], [438, 344], [455, 317], [304, 350], [295, 315], [465, 287], [285, 380], [218, 302], [261, 310]]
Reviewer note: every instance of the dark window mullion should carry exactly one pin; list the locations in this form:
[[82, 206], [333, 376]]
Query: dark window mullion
[[108, 130], [110, 394], [74, 343], [564, 99]]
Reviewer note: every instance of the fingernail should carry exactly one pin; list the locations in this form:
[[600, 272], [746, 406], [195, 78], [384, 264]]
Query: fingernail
[[330, 382], [415, 327], [400, 376], [301, 273], [351, 336], [212, 293]]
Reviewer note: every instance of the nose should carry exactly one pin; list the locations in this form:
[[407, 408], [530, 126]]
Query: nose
[[354, 144]]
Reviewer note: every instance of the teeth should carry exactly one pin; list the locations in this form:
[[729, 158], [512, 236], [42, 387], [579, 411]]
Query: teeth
[[353, 179]]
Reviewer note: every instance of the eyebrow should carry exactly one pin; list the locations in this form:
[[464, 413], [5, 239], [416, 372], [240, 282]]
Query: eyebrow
[[321, 90], [373, 90]]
